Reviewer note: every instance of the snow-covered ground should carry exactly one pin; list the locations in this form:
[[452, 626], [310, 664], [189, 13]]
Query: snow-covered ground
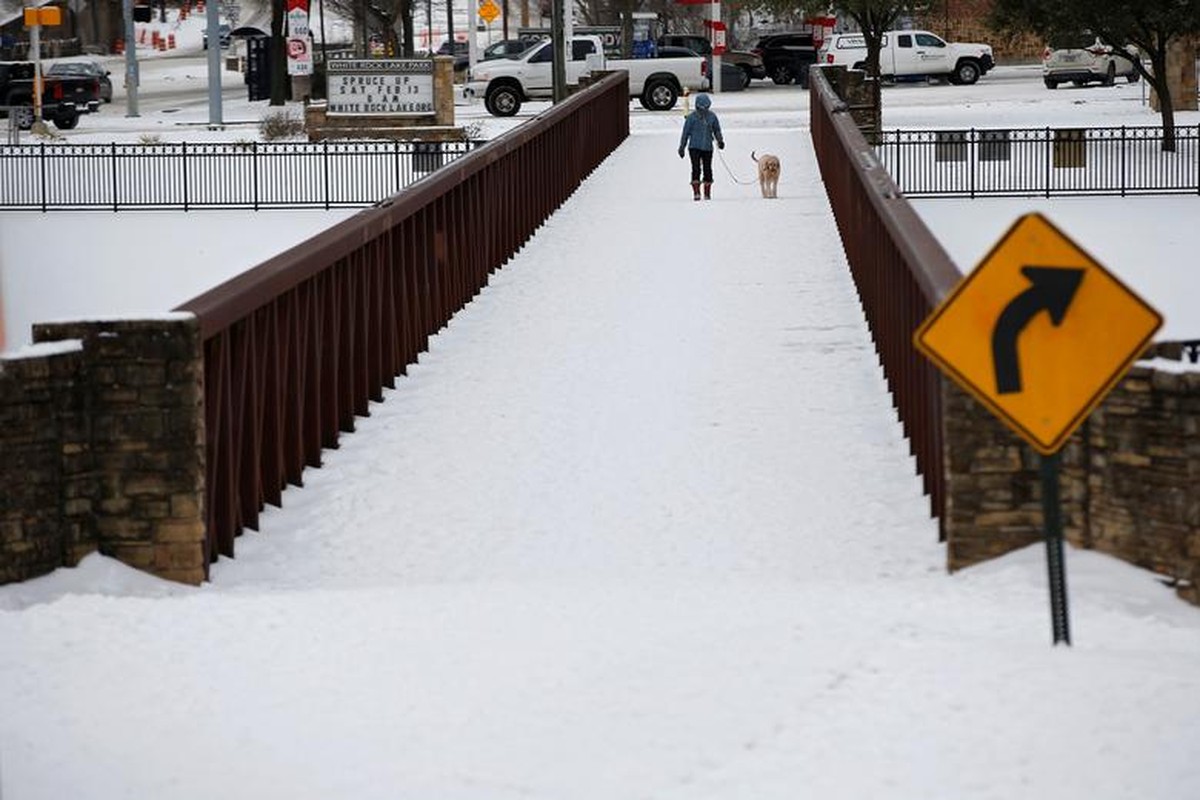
[[641, 524]]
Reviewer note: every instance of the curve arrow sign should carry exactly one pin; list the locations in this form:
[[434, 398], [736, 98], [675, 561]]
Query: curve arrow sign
[[1052, 289]]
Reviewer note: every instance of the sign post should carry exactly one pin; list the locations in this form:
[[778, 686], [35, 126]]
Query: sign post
[[299, 40], [34, 19], [1039, 333]]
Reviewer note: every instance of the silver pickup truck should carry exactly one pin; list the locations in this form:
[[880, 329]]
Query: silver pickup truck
[[506, 83]]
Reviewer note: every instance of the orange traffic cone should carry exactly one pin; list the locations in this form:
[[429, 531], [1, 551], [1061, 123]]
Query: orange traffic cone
[[119, 47], [170, 41]]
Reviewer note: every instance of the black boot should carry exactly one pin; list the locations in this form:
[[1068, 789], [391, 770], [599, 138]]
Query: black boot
[[695, 190], [707, 191]]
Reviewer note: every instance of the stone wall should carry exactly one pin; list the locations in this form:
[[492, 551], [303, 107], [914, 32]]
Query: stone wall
[[40, 404], [104, 448], [1181, 76], [1130, 478]]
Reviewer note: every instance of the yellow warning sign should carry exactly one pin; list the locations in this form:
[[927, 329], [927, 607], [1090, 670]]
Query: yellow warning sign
[[488, 10], [1039, 332]]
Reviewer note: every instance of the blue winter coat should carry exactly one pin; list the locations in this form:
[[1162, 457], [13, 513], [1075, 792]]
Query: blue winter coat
[[701, 127]]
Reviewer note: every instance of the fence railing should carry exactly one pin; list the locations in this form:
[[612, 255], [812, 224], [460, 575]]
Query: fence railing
[[1041, 161], [297, 347], [899, 268], [185, 177]]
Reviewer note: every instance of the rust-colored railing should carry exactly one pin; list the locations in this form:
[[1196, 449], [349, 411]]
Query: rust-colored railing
[[900, 270], [297, 347]]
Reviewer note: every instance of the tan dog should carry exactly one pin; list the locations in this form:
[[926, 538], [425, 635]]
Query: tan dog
[[768, 173]]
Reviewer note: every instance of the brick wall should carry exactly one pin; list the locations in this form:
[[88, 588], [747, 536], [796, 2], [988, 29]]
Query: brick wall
[[38, 392], [967, 21], [104, 448], [1130, 478]]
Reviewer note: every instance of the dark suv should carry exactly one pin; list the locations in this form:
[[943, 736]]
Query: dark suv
[[787, 56], [749, 63]]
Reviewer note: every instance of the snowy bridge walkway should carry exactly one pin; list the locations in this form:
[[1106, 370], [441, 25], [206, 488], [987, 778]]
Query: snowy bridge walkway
[[653, 387], [640, 524]]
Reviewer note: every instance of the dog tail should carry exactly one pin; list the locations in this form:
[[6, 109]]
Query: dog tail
[[753, 156]]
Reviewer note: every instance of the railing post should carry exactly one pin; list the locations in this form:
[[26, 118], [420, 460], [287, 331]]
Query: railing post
[[42, 171], [254, 170], [1049, 160], [973, 155], [325, 169], [183, 166]]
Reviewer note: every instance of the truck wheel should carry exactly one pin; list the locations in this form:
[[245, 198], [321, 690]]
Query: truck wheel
[[1051, 83], [660, 96], [66, 121], [502, 101], [1133, 77], [967, 72], [1110, 77], [782, 74], [746, 77]]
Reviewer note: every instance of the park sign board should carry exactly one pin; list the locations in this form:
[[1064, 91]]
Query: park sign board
[[1039, 332], [380, 87]]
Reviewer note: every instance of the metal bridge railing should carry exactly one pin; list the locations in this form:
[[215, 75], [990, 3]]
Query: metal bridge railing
[[297, 347], [899, 268]]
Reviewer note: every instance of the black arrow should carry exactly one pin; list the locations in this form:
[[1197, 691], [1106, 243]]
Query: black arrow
[[1052, 291]]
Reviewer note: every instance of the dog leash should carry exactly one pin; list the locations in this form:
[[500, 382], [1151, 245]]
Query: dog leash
[[734, 178]]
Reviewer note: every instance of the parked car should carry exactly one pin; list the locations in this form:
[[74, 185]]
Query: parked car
[[751, 64], [912, 54], [224, 35], [90, 69], [786, 57], [506, 83], [1084, 59], [505, 48], [64, 97], [459, 50]]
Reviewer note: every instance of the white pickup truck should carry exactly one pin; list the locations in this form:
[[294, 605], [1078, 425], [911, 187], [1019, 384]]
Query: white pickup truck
[[505, 83], [911, 54]]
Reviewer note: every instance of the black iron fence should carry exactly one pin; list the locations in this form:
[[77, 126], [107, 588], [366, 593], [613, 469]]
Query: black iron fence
[[1041, 161], [183, 176]]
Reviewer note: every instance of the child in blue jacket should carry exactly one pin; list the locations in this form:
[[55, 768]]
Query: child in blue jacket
[[700, 129]]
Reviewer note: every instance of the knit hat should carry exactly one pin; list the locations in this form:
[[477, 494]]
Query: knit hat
[[703, 102]]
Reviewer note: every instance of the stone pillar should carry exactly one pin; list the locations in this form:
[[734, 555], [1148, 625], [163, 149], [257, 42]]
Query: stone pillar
[[1143, 472], [145, 445], [1181, 76], [43, 510], [993, 488], [443, 90], [862, 98]]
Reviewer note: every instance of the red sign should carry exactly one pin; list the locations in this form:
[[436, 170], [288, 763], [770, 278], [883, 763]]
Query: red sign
[[718, 35], [297, 5]]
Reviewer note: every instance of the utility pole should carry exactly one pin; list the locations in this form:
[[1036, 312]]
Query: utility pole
[[559, 72], [450, 25], [131, 64], [212, 22]]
